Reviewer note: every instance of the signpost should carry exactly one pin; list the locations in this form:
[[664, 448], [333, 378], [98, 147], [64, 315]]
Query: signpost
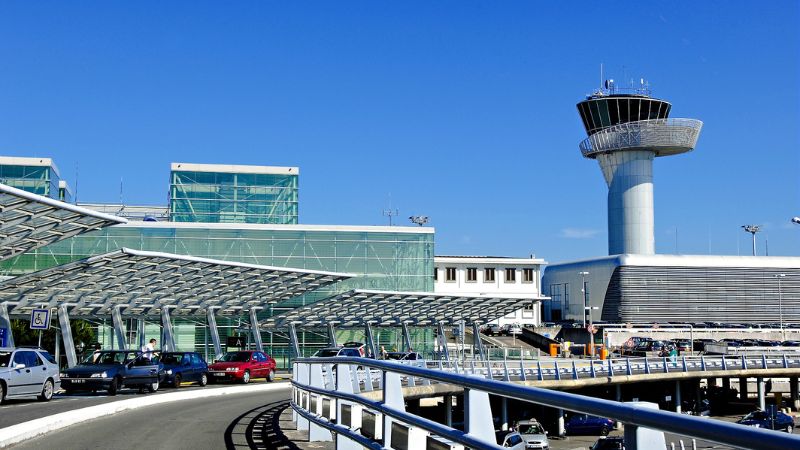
[[40, 320]]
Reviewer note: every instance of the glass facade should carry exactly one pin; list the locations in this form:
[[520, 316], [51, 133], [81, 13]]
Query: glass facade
[[385, 260], [233, 197], [598, 113], [37, 179]]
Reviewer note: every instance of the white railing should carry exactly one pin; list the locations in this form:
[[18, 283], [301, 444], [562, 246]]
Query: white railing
[[667, 135]]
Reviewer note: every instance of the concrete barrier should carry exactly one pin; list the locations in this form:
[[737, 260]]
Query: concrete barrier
[[37, 427]]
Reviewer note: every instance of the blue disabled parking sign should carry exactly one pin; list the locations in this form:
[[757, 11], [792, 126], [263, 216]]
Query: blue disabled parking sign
[[40, 319]]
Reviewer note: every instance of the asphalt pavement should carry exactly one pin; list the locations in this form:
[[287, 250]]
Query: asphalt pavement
[[13, 412], [231, 421]]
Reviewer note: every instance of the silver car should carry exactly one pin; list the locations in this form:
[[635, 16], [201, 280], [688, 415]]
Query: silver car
[[533, 434], [27, 372]]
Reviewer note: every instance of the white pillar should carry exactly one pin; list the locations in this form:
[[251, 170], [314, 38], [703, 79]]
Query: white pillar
[[167, 336], [66, 334], [119, 328], [760, 390], [255, 330], [212, 328]]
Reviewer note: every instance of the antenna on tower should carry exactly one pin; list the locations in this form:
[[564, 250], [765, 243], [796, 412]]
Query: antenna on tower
[[391, 213]]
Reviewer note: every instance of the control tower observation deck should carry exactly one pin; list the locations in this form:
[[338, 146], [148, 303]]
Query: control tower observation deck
[[626, 131]]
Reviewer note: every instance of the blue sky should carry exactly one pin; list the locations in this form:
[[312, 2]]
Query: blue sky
[[462, 111]]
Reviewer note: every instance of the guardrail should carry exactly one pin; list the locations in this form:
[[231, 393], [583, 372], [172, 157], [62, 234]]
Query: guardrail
[[326, 398], [577, 369]]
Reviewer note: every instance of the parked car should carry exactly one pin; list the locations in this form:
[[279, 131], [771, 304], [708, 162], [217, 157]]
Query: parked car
[[771, 420], [180, 367], [331, 352], [586, 424], [403, 356], [28, 372], [362, 349], [533, 434], [514, 330], [242, 366], [609, 443], [510, 439], [111, 370], [492, 329], [682, 346]]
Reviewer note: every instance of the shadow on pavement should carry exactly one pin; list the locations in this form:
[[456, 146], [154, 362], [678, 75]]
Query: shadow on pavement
[[259, 428]]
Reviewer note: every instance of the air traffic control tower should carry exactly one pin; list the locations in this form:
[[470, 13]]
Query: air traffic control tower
[[626, 130]]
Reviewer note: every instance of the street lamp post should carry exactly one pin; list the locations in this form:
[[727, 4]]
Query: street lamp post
[[585, 295], [752, 229], [780, 304]]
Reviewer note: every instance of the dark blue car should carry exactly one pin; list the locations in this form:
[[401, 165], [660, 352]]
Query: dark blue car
[[588, 425], [112, 370], [771, 420], [183, 367]]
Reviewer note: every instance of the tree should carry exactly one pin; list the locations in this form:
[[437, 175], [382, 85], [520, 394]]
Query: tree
[[83, 334]]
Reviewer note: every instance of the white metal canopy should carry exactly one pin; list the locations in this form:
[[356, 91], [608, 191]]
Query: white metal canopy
[[144, 282], [29, 221], [387, 308]]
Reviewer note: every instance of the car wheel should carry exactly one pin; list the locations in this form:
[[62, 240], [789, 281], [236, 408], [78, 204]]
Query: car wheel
[[789, 429], [177, 381], [246, 377], [604, 431], [152, 387], [47, 391], [271, 376], [114, 387], [203, 379], [2, 392]]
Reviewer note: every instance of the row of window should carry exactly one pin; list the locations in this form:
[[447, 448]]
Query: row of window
[[488, 275]]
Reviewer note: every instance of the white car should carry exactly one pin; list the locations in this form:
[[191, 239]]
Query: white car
[[28, 372]]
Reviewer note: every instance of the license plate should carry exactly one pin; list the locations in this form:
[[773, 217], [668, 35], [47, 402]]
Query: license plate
[[78, 381], [219, 374]]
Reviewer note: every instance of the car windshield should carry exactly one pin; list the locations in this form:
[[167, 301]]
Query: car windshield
[[531, 429], [172, 358], [5, 357], [395, 355], [109, 358], [757, 415], [236, 357], [327, 352]]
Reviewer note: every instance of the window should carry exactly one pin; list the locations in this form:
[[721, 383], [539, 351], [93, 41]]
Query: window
[[511, 275], [527, 275], [472, 275], [450, 274], [435, 274], [488, 275]]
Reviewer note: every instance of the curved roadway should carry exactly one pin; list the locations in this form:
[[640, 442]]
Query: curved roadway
[[229, 421]]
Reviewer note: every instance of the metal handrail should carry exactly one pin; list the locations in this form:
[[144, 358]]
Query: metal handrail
[[714, 431], [653, 133]]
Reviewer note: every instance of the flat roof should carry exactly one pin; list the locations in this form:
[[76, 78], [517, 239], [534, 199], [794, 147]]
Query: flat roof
[[779, 262], [144, 282], [233, 168], [28, 161], [487, 260], [392, 308], [29, 221]]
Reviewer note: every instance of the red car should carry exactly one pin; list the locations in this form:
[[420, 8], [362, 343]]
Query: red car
[[242, 366]]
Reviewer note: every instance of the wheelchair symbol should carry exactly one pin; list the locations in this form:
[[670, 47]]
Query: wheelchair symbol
[[38, 320]]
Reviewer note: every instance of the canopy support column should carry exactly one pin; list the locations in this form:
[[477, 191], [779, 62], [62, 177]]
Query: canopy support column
[[212, 328], [477, 343], [5, 323], [293, 343], [140, 332], [406, 338], [255, 330], [66, 334], [371, 340], [119, 328], [332, 335], [442, 339], [167, 336]]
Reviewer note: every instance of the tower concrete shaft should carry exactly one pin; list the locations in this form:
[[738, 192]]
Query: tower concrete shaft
[[629, 176]]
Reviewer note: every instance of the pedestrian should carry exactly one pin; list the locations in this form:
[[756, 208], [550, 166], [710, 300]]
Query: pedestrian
[[673, 354], [383, 352], [148, 349]]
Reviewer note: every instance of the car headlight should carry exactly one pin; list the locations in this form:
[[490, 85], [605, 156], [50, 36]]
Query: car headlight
[[99, 375], [63, 375], [232, 369], [169, 372]]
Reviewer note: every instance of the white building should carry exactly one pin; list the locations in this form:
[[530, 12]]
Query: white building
[[507, 277]]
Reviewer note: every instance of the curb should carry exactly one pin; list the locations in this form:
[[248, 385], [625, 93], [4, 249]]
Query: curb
[[37, 427]]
